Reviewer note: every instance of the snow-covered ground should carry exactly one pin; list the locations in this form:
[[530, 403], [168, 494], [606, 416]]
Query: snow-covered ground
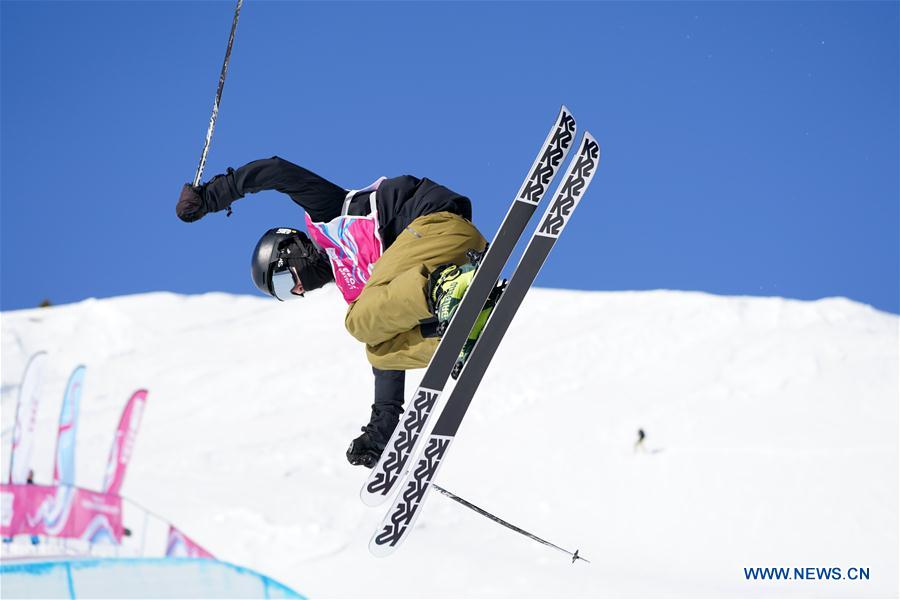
[[772, 436]]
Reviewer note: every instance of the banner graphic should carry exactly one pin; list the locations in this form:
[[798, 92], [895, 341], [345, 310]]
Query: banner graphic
[[181, 546], [64, 469], [62, 512], [123, 444]]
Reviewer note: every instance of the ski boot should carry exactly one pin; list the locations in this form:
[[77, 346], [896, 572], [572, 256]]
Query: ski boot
[[447, 285], [365, 450], [480, 322], [446, 288]]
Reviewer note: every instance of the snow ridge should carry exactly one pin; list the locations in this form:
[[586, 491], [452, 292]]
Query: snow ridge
[[771, 440]]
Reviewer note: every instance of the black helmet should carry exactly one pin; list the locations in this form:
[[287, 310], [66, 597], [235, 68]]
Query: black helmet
[[286, 263]]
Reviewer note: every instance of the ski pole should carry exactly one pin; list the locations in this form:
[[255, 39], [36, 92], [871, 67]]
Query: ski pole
[[574, 556], [215, 110]]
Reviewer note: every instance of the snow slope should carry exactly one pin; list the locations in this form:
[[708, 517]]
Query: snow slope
[[772, 425]]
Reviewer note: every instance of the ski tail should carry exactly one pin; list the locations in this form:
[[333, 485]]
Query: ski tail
[[404, 440], [401, 517]]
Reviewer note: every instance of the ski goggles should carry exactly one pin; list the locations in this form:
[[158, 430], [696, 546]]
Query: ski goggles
[[286, 284]]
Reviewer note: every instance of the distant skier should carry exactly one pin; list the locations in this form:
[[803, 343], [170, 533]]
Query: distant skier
[[397, 251], [639, 444]]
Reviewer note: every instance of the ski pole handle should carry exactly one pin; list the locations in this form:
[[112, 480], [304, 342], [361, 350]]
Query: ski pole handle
[[215, 110]]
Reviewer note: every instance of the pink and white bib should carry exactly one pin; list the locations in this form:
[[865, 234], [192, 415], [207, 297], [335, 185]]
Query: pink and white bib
[[352, 243]]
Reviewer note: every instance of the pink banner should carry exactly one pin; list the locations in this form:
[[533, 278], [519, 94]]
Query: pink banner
[[123, 444], [62, 512], [181, 546]]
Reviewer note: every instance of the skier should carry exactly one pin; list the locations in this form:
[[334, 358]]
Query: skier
[[639, 444], [399, 250]]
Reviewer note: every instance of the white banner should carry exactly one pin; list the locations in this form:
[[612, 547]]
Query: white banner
[[26, 413]]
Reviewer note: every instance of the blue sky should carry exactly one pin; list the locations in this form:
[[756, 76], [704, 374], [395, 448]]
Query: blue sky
[[748, 148]]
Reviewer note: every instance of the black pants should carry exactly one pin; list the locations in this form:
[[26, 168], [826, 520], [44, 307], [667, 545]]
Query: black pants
[[389, 396]]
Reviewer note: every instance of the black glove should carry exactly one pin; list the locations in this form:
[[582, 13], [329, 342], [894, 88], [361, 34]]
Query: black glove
[[191, 206]]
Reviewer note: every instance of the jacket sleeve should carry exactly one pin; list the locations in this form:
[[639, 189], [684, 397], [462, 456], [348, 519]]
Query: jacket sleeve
[[320, 198]]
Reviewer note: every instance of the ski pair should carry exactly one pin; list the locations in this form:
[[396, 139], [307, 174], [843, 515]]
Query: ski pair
[[407, 505], [391, 467]]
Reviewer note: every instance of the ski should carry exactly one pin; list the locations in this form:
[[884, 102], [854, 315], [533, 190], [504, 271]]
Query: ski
[[401, 517], [390, 467]]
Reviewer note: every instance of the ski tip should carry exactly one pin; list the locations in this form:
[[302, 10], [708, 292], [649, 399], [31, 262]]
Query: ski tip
[[566, 115], [370, 499], [379, 550]]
